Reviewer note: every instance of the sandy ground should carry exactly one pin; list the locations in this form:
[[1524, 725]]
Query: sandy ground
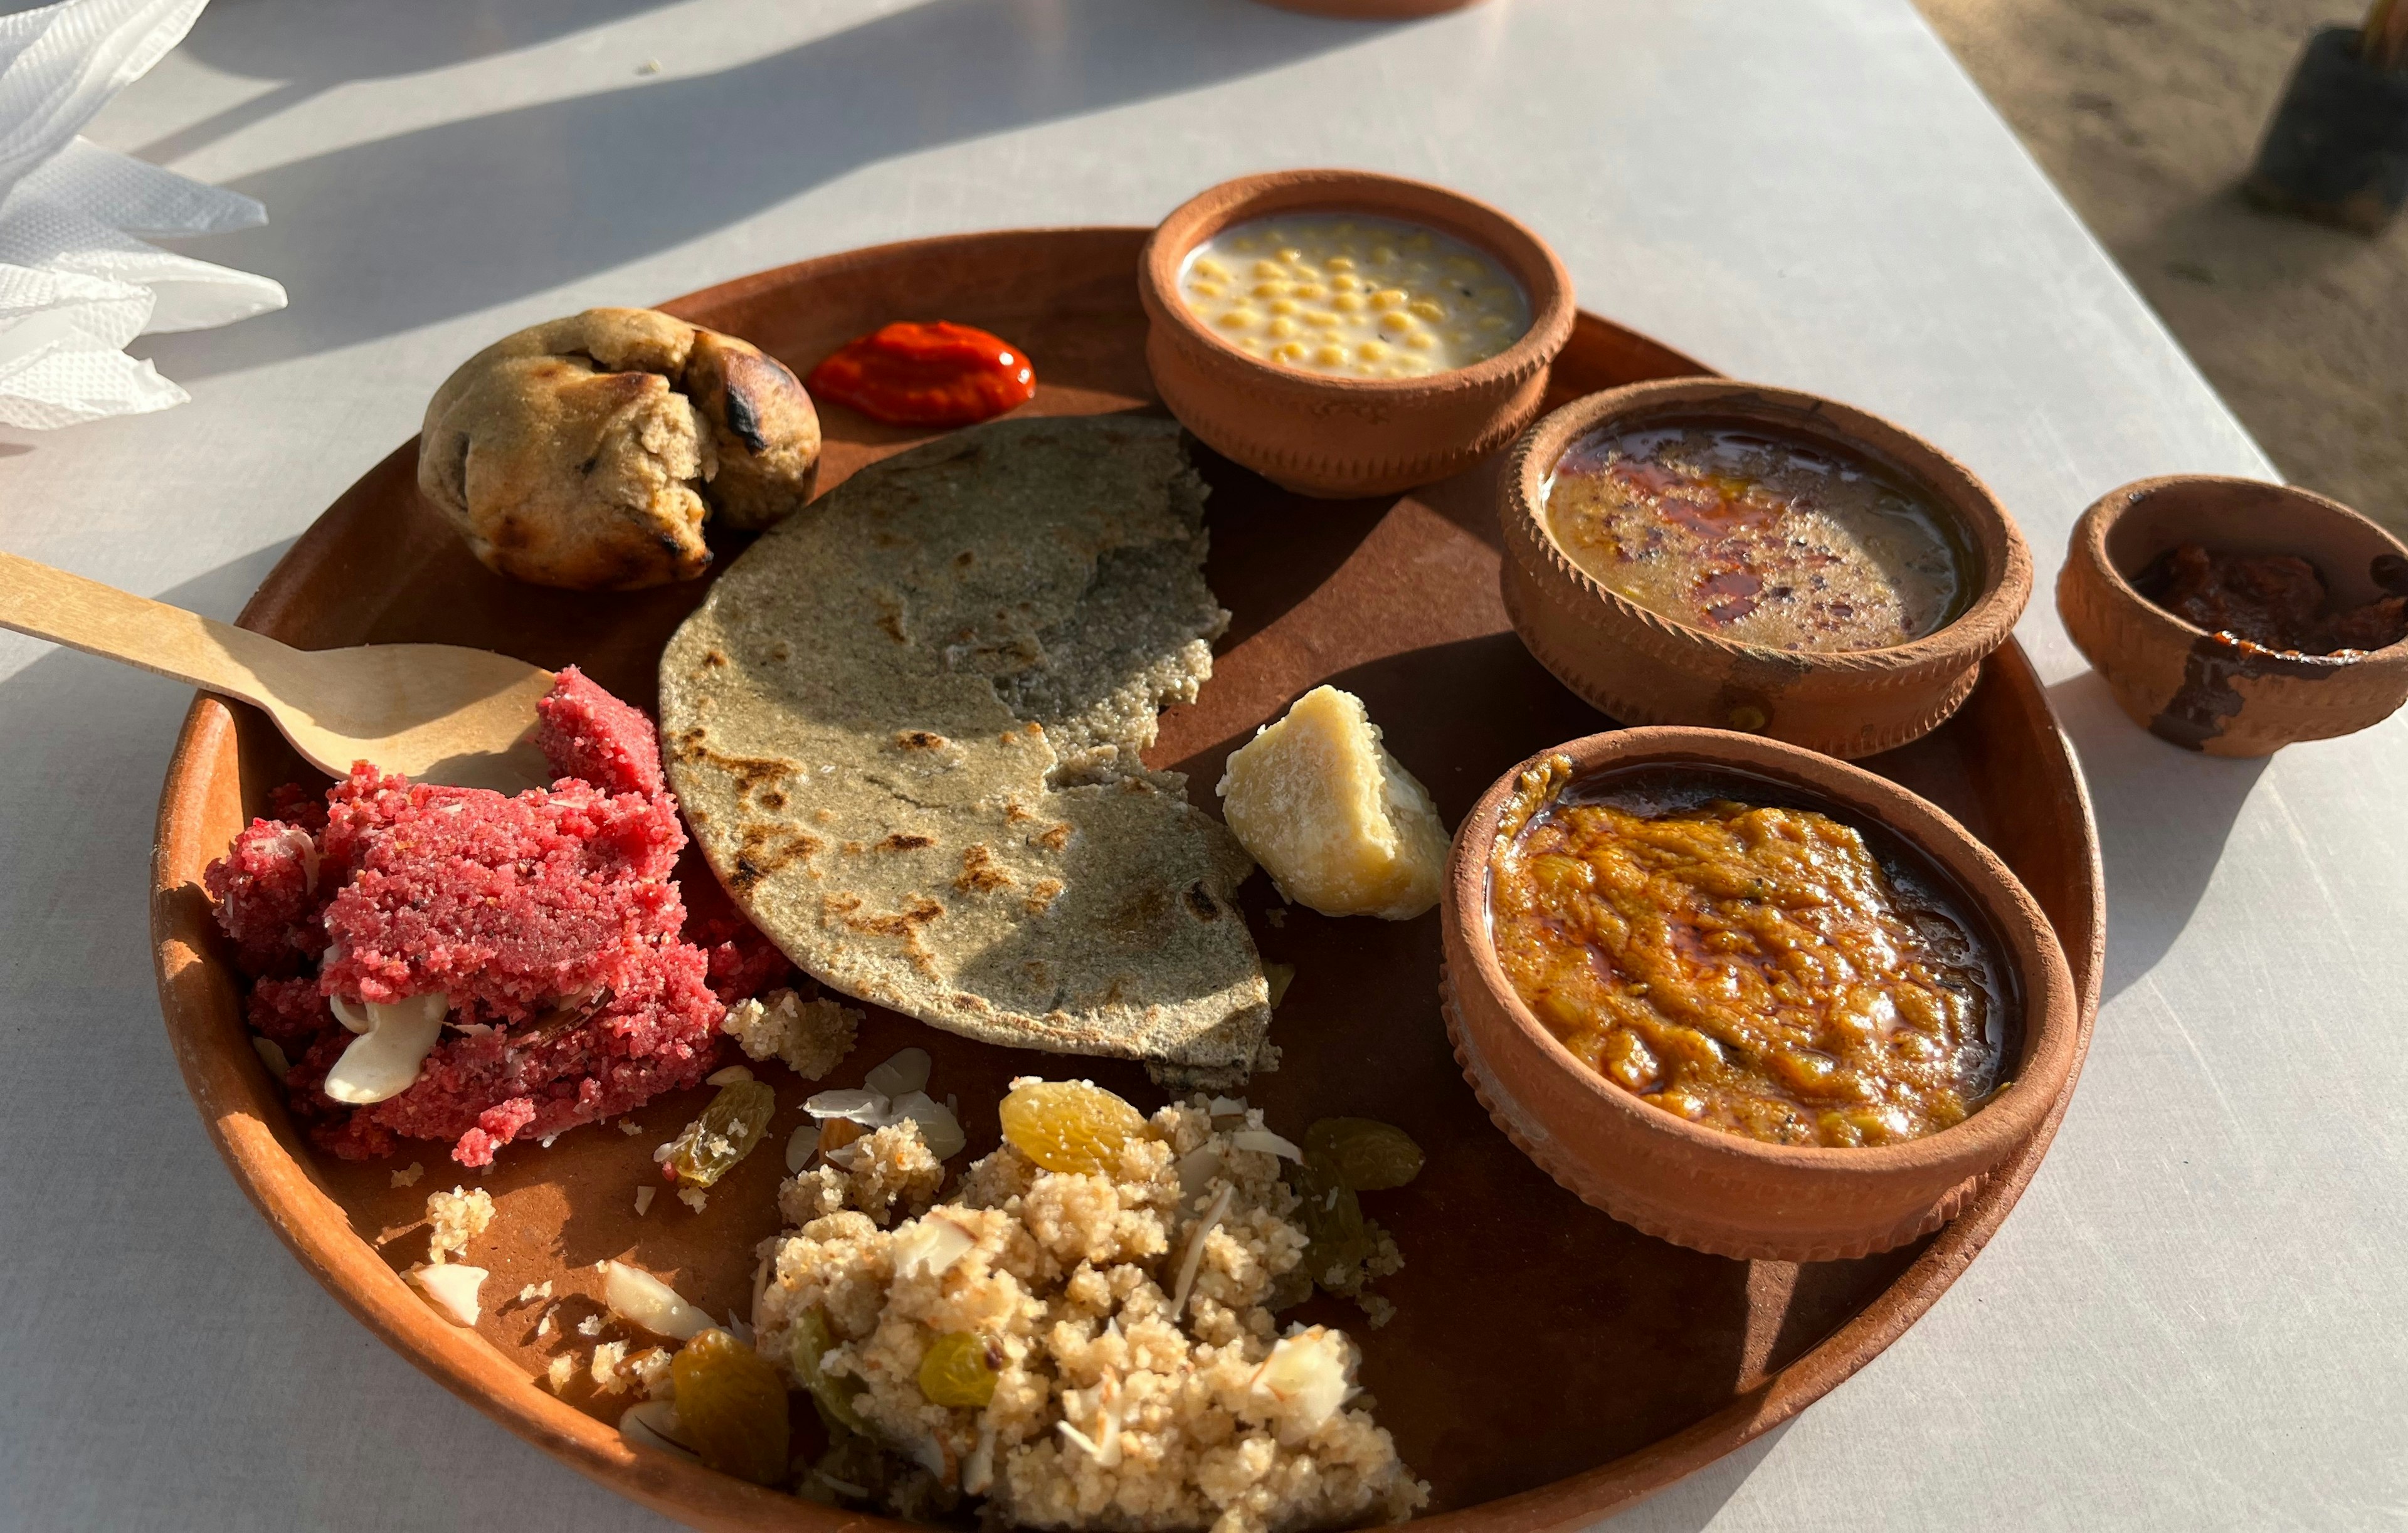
[[2147, 114]]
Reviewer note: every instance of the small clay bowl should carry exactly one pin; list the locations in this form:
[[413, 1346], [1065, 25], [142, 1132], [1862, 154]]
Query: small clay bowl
[[1346, 437], [1702, 1187], [1644, 667], [1371, 11], [2208, 691]]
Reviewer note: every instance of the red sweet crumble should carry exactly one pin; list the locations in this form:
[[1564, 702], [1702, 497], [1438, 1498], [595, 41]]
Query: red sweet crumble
[[586, 733], [550, 920]]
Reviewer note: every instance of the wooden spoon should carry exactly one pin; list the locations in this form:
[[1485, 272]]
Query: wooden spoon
[[439, 713]]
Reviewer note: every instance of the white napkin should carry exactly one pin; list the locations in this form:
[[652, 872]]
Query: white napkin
[[74, 284]]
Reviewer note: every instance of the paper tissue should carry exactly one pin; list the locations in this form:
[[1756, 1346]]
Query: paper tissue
[[74, 284]]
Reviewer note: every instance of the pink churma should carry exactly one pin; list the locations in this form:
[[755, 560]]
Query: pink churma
[[551, 921]]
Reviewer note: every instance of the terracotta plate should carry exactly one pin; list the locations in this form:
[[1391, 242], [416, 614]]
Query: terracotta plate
[[1546, 1364]]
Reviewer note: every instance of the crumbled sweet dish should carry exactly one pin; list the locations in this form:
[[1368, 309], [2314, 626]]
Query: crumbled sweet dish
[[812, 1037], [1084, 1349], [455, 1218], [545, 929]]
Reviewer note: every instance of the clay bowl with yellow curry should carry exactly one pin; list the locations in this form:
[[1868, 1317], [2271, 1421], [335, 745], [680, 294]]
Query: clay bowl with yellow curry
[[1750, 999], [1735, 556]]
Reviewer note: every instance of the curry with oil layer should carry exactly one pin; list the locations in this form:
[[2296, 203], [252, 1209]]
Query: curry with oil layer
[[1752, 967], [1757, 537]]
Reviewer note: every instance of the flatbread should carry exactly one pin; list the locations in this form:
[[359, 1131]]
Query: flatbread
[[906, 724]]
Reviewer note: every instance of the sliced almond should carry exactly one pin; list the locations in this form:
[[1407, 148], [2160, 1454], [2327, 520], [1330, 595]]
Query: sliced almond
[[940, 1130], [639, 1298], [900, 1076], [930, 1244], [1263, 1141], [653, 1423], [451, 1288], [384, 1061], [868, 1108], [1196, 1169]]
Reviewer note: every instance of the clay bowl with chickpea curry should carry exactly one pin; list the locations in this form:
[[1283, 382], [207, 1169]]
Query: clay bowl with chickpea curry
[[1734, 556], [1745, 997], [1343, 333]]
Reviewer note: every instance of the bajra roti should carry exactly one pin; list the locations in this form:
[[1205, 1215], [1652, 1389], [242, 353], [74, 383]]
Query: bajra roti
[[906, 727]]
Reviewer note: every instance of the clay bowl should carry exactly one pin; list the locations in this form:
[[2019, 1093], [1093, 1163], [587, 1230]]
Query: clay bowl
[[2207, 692], [1646, 668], [1702, 1187], [1371, 11], [1345, 437]]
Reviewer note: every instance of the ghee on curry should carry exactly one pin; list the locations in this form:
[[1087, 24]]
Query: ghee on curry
[[1759, 538], [1753, 968]]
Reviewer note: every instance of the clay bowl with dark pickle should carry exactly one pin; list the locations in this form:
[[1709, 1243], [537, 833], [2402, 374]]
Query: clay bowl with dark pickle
[[1336, 437], [1721, 1192], [2211, 692], [1644, 669]]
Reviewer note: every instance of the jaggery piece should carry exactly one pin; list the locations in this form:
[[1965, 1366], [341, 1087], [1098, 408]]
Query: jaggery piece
[[1337, 822]]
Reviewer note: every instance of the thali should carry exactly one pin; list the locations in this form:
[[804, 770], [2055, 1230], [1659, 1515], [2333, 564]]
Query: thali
[[1546, 1366]]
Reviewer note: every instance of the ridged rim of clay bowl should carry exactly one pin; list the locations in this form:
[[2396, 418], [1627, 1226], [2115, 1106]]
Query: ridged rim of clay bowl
[[1371, 11], [1348, 436], [1702, 1187], [1644, 667], [2150, 658]]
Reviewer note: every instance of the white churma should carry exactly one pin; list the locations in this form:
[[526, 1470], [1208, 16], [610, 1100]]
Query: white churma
[[1353, 296]]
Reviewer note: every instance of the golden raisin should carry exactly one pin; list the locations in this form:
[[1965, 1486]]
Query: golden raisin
[[1069, 1126], [731, 1408], [957, 1371], [807, 1342], [1370, 1156], [709, 1147], [1338, 1241]]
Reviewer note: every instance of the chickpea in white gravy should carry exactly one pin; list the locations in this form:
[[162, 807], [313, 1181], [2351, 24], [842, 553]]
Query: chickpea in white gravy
[[1353, 296]]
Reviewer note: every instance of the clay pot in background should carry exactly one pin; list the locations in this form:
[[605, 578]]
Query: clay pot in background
[[2337, 148], [2204, 691], [1370, 10]]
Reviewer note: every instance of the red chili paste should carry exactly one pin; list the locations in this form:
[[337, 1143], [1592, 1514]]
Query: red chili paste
[[938, 374]]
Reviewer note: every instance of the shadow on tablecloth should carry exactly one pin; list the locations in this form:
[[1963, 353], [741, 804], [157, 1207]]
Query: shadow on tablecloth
[[2164, 815], [389, 235]]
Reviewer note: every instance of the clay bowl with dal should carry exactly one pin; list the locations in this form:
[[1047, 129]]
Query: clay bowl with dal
[[1722, 1192], [1646, 668], [2204, 692], [1334, 435]]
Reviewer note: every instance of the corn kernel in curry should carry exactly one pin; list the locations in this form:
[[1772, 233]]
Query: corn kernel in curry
[[1750, 968]]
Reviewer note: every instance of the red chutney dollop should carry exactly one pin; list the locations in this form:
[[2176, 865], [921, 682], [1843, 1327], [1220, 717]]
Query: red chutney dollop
[[575, 986], [936, 374]]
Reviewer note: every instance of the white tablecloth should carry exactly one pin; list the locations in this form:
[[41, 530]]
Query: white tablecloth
[[2192, 1319]]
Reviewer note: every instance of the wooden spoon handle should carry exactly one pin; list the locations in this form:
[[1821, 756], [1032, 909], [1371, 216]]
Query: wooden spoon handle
[[48, 603]]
